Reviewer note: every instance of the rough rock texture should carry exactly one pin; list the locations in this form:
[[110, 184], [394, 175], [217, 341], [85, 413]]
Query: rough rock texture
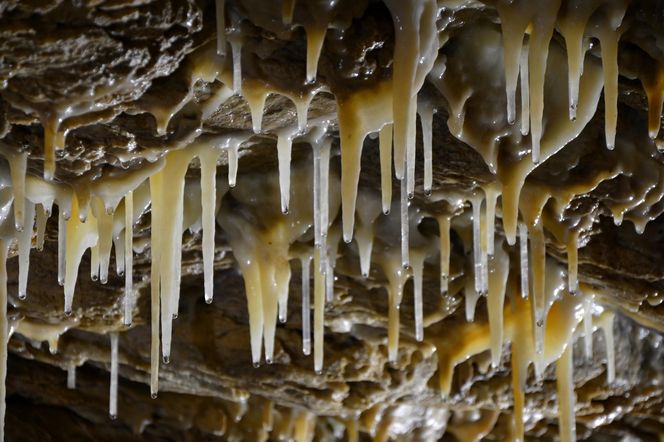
[[117, 62]]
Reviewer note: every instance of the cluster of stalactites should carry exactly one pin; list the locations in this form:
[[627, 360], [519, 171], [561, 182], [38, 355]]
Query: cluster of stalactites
[[100, 217], [527, 31]]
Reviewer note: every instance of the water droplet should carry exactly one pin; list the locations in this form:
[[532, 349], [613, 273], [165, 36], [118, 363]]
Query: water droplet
[[113, 416], [208, 301], [166, 359], [153, 395], [257, 364]]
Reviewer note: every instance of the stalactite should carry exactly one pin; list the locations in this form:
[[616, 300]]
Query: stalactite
[[538, 264], [306, 305], [113, 393], [444, 229], [525, 90], [405, 257], [588, 327], [385, 144], [62, 244], [284, 147], [221, 27], [476, 203], [18, 163], [319, 311], [498, 272], [418, 268], [236, 50], [315, 39], [71, 377], [425, 110], [287, 9], [523, 259], [208, 212], [80, 236], [129, 257], [566, 399], [24, 237]]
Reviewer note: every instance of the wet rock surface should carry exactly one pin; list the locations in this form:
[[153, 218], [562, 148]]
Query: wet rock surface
[[105, 66]]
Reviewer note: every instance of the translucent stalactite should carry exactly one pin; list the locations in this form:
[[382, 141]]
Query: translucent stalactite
[[471, 298], [499, 269], [284, 147], [405, 257], [523, 259], [538, 262], [306, 305], [71, 377], [113, 391], [588, 327], [492, 192], [325, 191], [129, 257], [329, 283], [418, 269], [425, 110], [54, 140], [318, 237], [525, 90], [232, 164], [444, 229], [367, 211], [319, 311], [24, 238], [607, 328], [221, 27], [573, 263], [385, 143], [119, 248], [62, 244], [476, 203], [236, 50]]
